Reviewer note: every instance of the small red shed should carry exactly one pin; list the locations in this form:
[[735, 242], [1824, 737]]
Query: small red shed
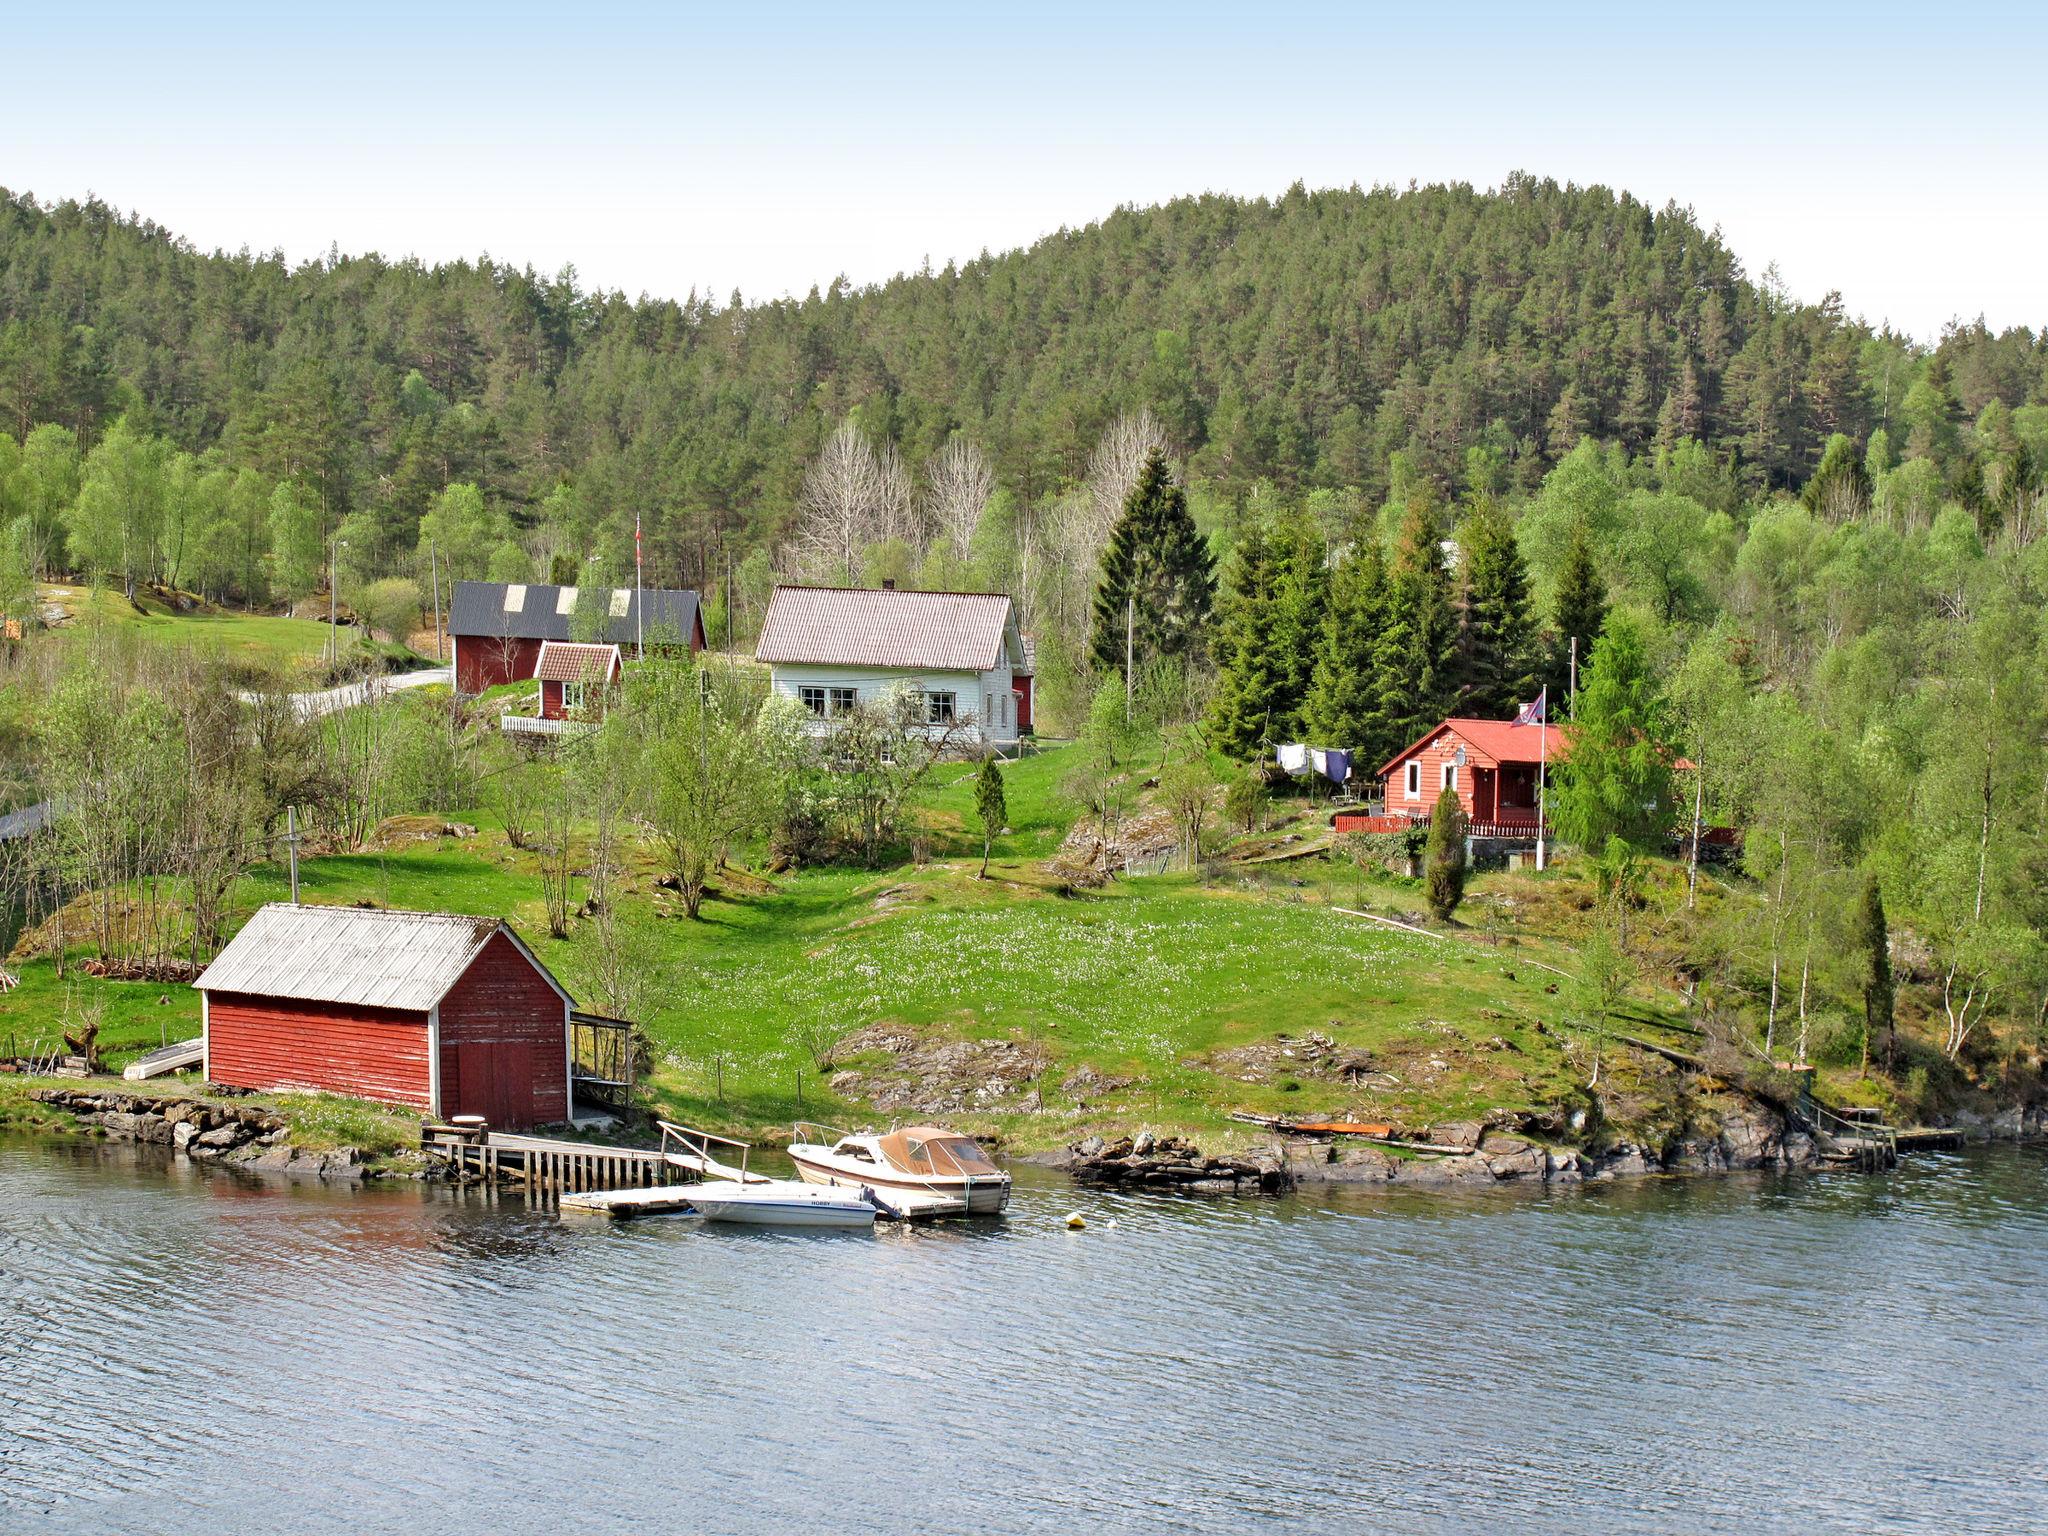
[[451, 1015], [575, 678], [1492, 764], [498, 626]]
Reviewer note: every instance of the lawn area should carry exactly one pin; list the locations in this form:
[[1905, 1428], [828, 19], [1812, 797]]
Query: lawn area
[[1167, 1001], [267, 641]]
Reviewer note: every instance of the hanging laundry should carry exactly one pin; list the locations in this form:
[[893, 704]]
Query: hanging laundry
[[1315, 761], [1293, 757], [1335, 765]]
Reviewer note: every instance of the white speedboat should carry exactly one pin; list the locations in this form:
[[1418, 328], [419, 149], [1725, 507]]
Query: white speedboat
[[919, 1171], [779, 1203]]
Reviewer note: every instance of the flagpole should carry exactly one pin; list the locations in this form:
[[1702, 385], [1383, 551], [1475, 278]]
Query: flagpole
[[1542, 771], [639, 605]]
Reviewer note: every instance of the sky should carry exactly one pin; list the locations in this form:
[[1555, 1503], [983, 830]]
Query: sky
[[1891, 153]]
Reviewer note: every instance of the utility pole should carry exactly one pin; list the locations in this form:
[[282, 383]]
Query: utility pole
[[1130, 631], [1571, 701], [434, 567], [291, 843], [333, 580]]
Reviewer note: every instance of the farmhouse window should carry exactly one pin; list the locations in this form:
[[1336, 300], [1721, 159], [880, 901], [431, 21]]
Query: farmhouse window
[[1414, 781], [812, 699], [843, 700], [1450, 776], [939, 708]]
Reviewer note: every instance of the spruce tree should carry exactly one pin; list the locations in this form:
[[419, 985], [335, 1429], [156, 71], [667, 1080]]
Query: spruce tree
[[990, 807], [1248, 674], [1339, 707], [1615, 780], [1415, 662], [1578, 612], [1301, 593], [1157, 575], [1499, 648]]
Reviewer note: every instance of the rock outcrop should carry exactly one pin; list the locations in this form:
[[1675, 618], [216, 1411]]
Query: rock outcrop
[[1168, 1162]]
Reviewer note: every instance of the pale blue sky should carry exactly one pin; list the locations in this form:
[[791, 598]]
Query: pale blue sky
[[1893, 152]]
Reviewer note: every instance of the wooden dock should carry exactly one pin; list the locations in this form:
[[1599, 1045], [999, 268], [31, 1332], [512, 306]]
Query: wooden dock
[[623, 1203], [551, 1168]]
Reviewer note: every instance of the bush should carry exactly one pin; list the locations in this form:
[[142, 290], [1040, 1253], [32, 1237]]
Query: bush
[[1244, 800], [1445, 869], [390, 606]]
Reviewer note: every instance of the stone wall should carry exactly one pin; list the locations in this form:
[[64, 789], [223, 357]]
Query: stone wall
[[244, 1135]]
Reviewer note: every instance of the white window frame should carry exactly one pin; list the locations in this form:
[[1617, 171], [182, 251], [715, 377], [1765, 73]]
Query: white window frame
[[841, 702], [812, 696], [574, 697], [1414, 784], [1450, 776], [942, 707]]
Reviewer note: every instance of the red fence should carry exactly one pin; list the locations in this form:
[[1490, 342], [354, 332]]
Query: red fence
[[1371, 822]]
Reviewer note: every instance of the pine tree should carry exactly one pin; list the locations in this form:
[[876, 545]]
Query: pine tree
[[1248, 674], [1415, 662], [1158, 577], [1499, 643], [1578, 612], [1339, 706]]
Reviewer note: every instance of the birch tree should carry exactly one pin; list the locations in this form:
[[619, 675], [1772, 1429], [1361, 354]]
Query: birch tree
[[852, 497], [958, 484]]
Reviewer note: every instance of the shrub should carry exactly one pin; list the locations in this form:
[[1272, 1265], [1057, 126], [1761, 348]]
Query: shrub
[[1445, 869]]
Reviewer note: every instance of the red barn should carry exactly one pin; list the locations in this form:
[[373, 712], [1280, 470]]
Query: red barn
[[499, 626], [1492, 764], [451, 1015]]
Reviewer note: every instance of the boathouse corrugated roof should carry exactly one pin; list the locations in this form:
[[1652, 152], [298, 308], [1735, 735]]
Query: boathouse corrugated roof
[[368, 958]]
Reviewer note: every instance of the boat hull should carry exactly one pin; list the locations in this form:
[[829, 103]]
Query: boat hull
[[789, 1205], [979, 1197]]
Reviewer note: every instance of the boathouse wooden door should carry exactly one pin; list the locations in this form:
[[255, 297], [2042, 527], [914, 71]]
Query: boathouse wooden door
[[496, 1081]]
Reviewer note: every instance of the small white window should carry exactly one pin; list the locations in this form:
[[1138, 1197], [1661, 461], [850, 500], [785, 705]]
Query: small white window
[[1414, 780], [939, 708], [1450, 776], [565, 602], [572, 698], [812, 699], [843, 700], [515, 597]]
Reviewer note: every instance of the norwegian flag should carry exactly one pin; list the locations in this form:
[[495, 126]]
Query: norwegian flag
[[1532, 712]]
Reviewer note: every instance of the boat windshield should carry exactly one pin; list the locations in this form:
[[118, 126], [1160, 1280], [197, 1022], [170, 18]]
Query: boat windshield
[[941, 1153]]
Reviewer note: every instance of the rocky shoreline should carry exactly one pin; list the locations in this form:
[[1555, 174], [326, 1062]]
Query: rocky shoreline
[[250, 1136], [1465, 1153]]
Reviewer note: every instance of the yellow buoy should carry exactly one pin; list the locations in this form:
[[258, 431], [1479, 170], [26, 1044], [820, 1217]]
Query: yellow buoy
[[1075, 1222]]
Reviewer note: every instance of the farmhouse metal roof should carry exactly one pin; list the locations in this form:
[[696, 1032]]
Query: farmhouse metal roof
[[861, 627], [500, 610], [373, 959], [567, 661]]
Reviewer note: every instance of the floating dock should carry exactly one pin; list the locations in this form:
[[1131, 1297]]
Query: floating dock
[[622, 1203]]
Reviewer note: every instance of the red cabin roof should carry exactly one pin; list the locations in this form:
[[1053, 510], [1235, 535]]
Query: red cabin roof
[[1493, 741]]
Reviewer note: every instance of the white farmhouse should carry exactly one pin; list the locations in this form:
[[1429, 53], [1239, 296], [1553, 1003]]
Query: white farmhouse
[[832, 647]]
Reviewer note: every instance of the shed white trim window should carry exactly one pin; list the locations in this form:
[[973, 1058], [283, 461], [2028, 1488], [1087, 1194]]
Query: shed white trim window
[[1414, 785], [573, 699], [1450, 776]]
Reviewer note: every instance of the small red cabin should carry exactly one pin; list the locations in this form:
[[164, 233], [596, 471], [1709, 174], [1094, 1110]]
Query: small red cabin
[[450, 1015], [1492, 764], [575, 679]]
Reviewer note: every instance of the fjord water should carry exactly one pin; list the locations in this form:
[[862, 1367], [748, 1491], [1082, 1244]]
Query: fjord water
[[182, 1347]]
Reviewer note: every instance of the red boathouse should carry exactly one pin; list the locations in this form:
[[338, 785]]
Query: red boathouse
[[450, 1015]]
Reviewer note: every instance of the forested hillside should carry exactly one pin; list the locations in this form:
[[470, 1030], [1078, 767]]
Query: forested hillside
[[1342, 341]]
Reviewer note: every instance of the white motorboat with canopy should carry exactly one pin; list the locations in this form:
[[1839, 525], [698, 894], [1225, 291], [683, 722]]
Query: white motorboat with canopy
[[920, 1170]]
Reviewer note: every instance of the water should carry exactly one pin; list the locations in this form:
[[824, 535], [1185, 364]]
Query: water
[[180, 1347]]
